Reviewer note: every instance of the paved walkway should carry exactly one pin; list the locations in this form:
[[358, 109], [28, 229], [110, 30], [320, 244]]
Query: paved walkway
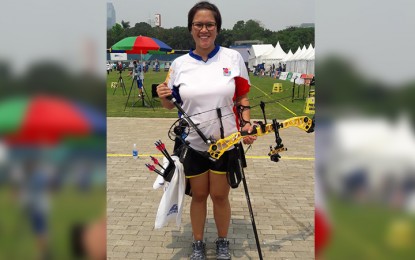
[[281, 195]]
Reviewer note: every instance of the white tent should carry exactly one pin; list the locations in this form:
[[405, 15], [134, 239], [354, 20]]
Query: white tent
[[382, 150], [291, 61], [287, 57], [301, 60], [297, 59], [310, 59], [275, 56], [255, 53]]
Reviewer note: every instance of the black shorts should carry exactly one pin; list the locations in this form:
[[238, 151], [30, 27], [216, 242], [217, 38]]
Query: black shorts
[[195, 164]]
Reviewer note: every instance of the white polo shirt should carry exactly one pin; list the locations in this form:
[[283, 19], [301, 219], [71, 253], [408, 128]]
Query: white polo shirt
[[205, 86]]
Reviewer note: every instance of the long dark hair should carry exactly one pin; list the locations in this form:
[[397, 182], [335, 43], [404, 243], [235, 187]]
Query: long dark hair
[[204, 5]]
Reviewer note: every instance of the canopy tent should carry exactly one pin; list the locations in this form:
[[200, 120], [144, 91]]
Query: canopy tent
[[255, 53], [275, 56], [301, 61], [310, 59], [296, 63], [291, 61], [287, 57]]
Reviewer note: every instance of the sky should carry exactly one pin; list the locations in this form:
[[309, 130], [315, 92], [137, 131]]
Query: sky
[[376, 35], [70, 33], [275, 15]]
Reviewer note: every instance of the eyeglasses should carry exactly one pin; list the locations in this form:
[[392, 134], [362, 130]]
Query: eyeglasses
[[209, 26]]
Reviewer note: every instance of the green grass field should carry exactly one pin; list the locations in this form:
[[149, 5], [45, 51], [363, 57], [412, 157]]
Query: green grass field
[[280, 106], [369, 232], [68, 206]]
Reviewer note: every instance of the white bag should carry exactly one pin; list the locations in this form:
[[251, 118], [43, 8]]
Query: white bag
[[171, 204], [159, 182]]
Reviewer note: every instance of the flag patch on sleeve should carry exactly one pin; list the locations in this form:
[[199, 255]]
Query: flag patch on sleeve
[[226, 72]]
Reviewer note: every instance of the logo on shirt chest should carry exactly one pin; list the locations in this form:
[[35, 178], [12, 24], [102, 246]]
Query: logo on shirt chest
[[226, 72]]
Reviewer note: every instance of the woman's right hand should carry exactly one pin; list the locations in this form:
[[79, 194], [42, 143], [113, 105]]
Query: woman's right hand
[[163, 91]]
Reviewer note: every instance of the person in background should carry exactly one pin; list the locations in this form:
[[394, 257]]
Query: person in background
[[31, 183], [140, 80], [136, 73], [210, 77], [120, 66]]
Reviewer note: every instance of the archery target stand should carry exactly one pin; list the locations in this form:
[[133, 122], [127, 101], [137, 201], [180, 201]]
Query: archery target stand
[[277, 87], [310, 103]]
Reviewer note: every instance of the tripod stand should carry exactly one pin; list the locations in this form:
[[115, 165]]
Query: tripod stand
[[142, 96], [121, 84]]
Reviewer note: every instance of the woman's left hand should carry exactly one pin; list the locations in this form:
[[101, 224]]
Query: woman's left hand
[[248, 139]]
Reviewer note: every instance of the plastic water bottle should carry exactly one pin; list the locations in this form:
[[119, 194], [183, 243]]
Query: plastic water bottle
[[135, 151]]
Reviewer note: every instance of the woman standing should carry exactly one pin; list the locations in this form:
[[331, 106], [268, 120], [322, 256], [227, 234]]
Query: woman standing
[[209, 77]]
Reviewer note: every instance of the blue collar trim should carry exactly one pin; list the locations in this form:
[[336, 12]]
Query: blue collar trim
[[210, 55]]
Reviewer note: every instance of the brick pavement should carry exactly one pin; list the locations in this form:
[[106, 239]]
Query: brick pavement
[[281, 195]]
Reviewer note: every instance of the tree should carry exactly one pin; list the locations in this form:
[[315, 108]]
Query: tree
[[140, 29], [293, 37], [115, 34], [225, 38], [125, 25], [254, 30], [179, 37]]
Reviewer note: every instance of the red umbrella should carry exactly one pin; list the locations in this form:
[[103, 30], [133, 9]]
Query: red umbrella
[[140, 45], [47, 120]]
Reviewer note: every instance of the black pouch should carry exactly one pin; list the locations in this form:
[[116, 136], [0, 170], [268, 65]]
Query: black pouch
[[181, 151]]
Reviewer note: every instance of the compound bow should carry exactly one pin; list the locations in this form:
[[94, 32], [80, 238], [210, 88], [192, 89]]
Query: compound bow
[[303, 122], [218, 147]]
